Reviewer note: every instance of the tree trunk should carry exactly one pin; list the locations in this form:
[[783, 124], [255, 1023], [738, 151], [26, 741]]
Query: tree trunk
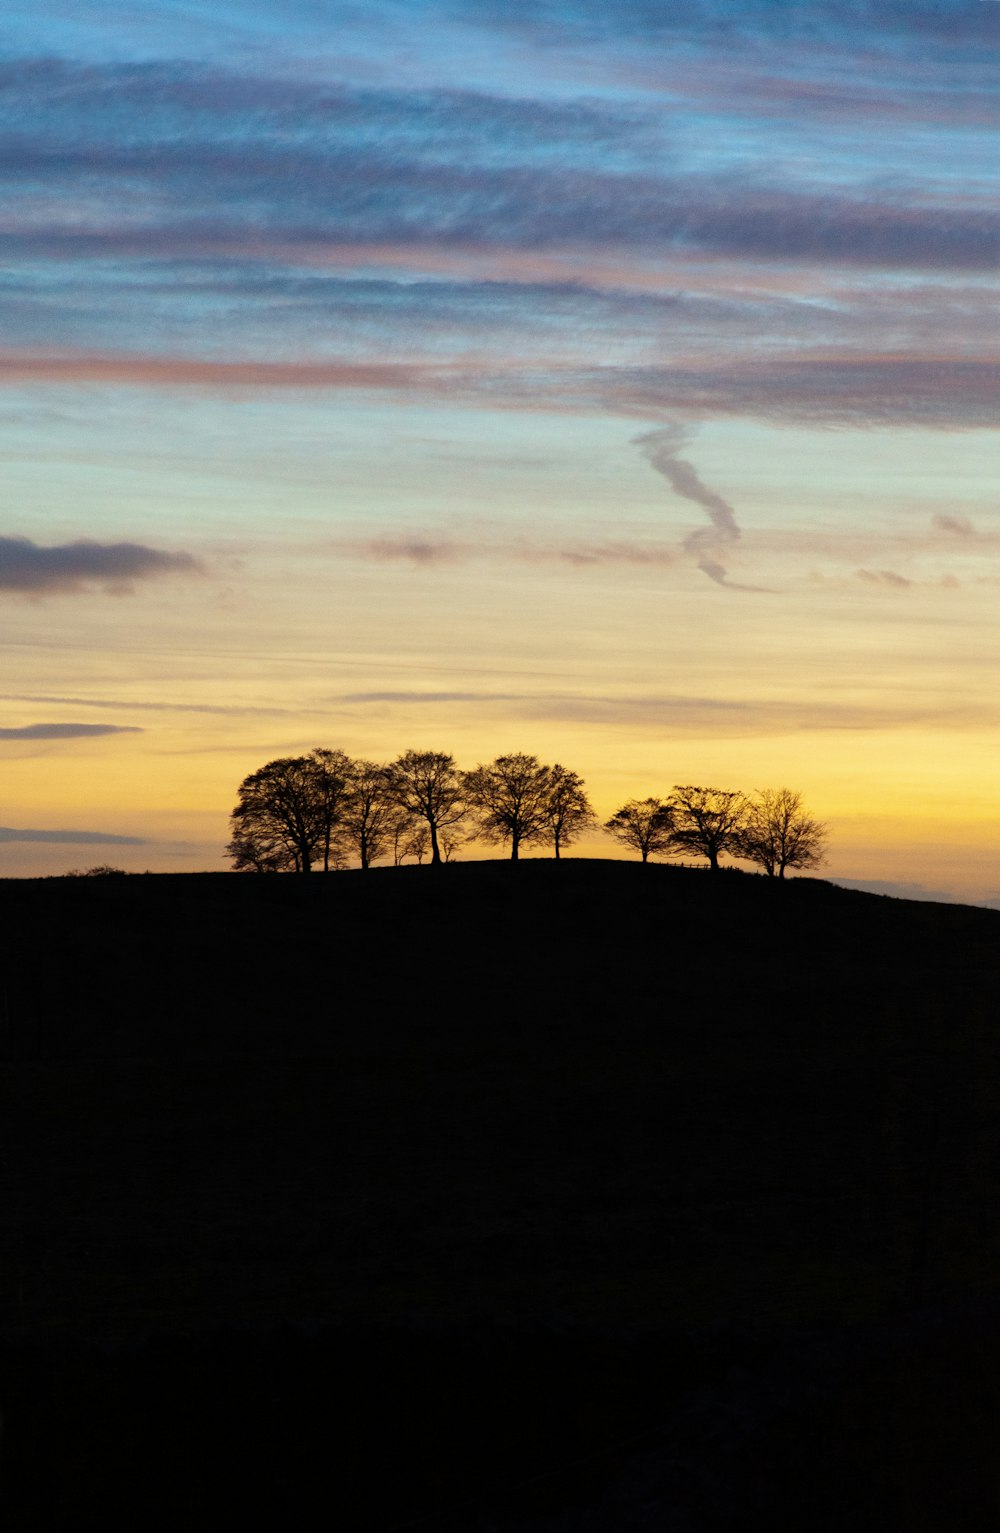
[[557, 845], [363, 849], [514, 846], [645, 854], [713, 861], [435, 849]]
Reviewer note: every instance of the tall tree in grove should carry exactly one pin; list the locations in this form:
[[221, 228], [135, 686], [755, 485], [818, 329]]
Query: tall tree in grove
[[429, 786], [509, 798], [282, 815], [369, 813], [332, 774], [567, 813], [707, 821], [645, 825], [777, 833]]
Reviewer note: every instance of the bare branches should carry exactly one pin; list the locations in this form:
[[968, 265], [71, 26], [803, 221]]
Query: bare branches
[[510, 799], [706, 821], [567, 813], [369, 815], [429, 786], [645, 825], [299, 811], [283, 816], [778, 834]]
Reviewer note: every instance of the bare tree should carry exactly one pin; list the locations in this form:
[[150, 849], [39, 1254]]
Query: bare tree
[[645, 825], [332, 775], [369, 814], [707, 822], [429, 786], [277, 813], [417, 843], [288, 812], [567, 813], [258, 852], [410, 838], [509, 798], [451, 840], [778, 834]]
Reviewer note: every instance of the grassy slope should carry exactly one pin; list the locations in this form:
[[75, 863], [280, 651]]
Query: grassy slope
[[615, 1092], [474, 1132]]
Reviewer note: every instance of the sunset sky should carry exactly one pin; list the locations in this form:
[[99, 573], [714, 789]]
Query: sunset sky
[[614, 383]]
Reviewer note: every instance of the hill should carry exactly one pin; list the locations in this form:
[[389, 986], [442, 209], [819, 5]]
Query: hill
[[464, 1119]]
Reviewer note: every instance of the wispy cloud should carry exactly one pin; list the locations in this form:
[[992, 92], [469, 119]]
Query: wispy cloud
[[66, 731], [30, 569], [890, 578], [431, 697], [820, 388], [234, 710], [958, 526], [410, 550], [430, 551], [721, 717], [662, 449], [374, 199], [70, 837]]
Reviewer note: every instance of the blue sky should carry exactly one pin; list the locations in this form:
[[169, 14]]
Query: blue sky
[[648, 353]]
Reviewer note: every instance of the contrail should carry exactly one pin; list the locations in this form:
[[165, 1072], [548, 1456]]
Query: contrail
[[661, 448]]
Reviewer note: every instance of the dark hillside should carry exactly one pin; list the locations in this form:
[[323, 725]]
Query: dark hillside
[[454, 1127]]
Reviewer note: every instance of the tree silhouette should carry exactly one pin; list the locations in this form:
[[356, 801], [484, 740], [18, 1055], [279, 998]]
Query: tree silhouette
[[509, 798], [707, 821], [778, 834], [567, 813], [369, 814], [332, 772], [417, 842], [258, 852], [645, 825], [101, 870], [287, 811], [429, 786]]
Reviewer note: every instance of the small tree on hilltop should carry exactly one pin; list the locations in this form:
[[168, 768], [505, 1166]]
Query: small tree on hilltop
[[509, 798], [778, 834], [333, 773], [429, 786], [281, 813], [645, 825], [369, 814], [707, 822], [567, 812], [417, 843]]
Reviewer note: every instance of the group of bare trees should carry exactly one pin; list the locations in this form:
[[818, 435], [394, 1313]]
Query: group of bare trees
[[322, 810], [304, 812], [770, 828]]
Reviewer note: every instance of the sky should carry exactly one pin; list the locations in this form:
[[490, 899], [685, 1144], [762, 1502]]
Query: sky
[[615, 384]]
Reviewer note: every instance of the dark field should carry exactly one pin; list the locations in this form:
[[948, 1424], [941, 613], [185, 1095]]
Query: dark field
[[578, 1196]]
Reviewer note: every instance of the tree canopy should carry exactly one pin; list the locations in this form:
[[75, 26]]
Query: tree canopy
[[326, 809], [567, 813], [429, 786], [706, 821], [283, 817], [777, 833], [509, 798], [645, 825]]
